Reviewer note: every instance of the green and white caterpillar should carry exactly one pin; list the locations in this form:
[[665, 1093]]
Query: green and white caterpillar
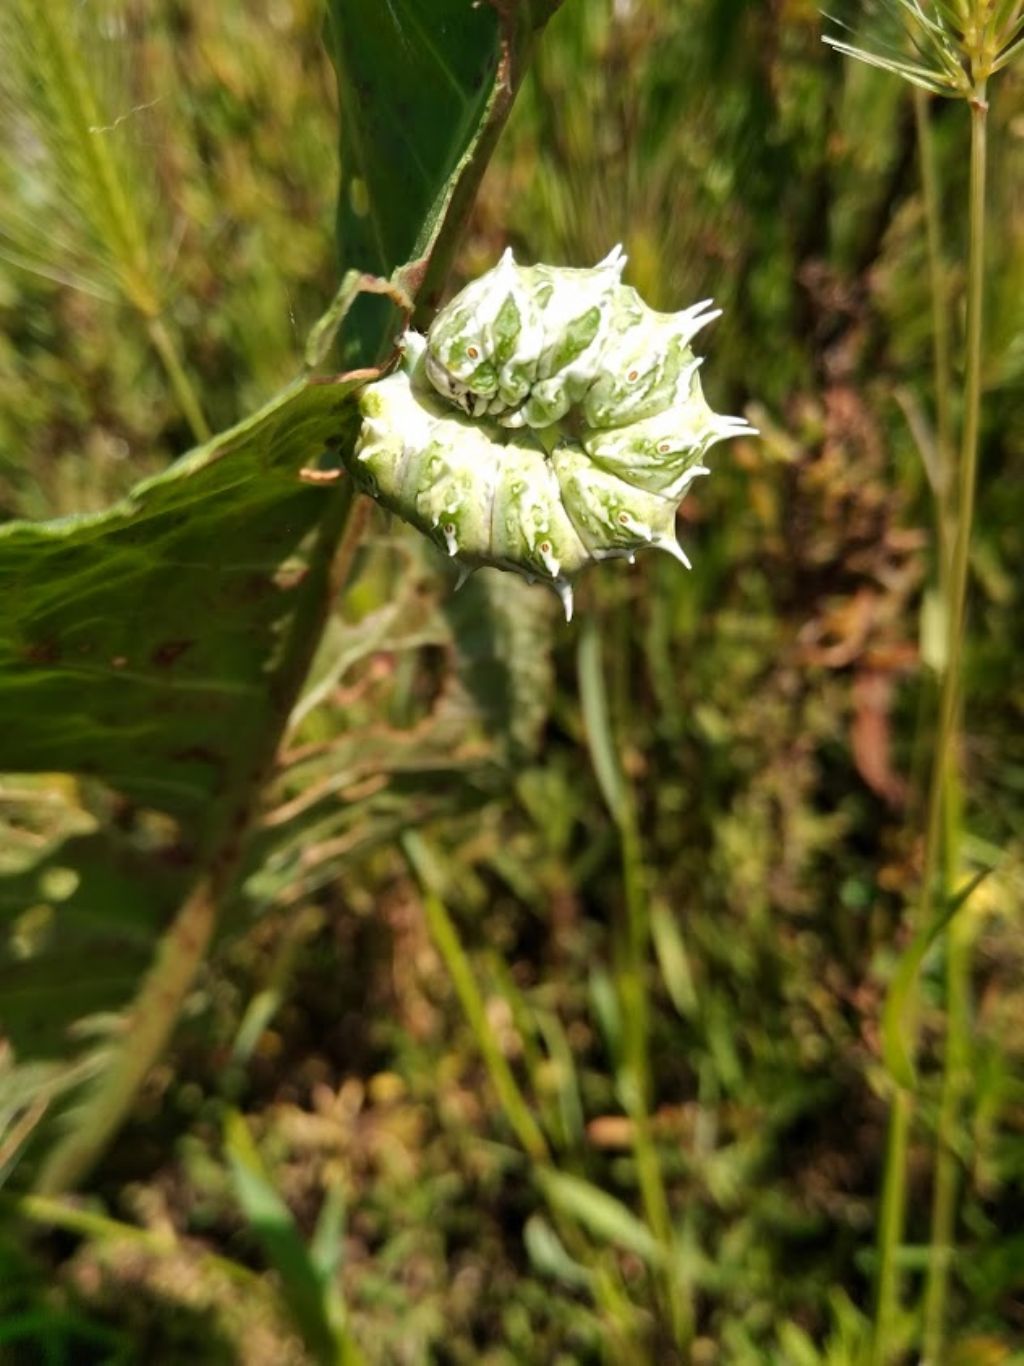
[[549, 418]]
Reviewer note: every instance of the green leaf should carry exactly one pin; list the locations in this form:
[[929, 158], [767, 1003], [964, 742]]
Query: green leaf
[[307, 1275], [424, 87], [604, 1003], [564, 1077], [673, 959], [546, 1253], [600, 740], [600, 1213], [145, 649], [797, 1347], [414, 79], [327, 1247]]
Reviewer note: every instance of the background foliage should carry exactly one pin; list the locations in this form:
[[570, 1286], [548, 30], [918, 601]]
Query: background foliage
[[472, 797]]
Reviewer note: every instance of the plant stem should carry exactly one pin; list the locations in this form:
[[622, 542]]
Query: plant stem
[[945, 1183], [890, 1228], [146, 1031], [949, 699], [636, 1017], [956, 1061], [188, 401], [956, 1058], [939, 832], [511, 1099], [941, 368]]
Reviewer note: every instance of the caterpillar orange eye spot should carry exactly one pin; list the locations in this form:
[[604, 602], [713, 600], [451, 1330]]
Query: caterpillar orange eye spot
[[633, 375], [623, 517], [664, 448], [472, 353], [545, 547]]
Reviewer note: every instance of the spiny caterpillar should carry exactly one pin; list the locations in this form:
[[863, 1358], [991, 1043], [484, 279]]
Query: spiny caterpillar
[[548, 418]]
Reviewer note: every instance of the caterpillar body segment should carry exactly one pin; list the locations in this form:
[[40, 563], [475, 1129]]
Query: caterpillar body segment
[[656, 453], [482, 494], [577, 312], [519, 326], [646, 368], [531, 525], [613, 518]]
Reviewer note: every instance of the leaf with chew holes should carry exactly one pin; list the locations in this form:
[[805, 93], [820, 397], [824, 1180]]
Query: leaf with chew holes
[[142, 649]]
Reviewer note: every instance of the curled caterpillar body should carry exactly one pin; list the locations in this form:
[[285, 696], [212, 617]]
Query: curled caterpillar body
[[482, 494], [549, 418]]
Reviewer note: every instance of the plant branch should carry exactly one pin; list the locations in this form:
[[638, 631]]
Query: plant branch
[[188, 401], [942, 383], [446, 940], [147, 1028]]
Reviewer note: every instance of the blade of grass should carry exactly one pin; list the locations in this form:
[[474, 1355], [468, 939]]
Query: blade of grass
[[605, 1217], [309, 1285], [88, 1223], [631, 946], [898, 1001], [446, 939]]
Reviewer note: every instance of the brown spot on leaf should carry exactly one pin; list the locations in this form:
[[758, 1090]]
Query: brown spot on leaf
[[198, 754], [171, 650], [43, 652]]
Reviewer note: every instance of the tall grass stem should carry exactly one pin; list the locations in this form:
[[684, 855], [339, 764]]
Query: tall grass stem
[[938, 288], [956, 1058], [188, 402], [939, 835]]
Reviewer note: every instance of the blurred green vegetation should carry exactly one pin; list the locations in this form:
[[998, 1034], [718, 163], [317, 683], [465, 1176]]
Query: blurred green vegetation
[[735, 755]]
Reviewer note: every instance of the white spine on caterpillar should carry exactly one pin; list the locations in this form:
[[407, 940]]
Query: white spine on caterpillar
[[549, 418]]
